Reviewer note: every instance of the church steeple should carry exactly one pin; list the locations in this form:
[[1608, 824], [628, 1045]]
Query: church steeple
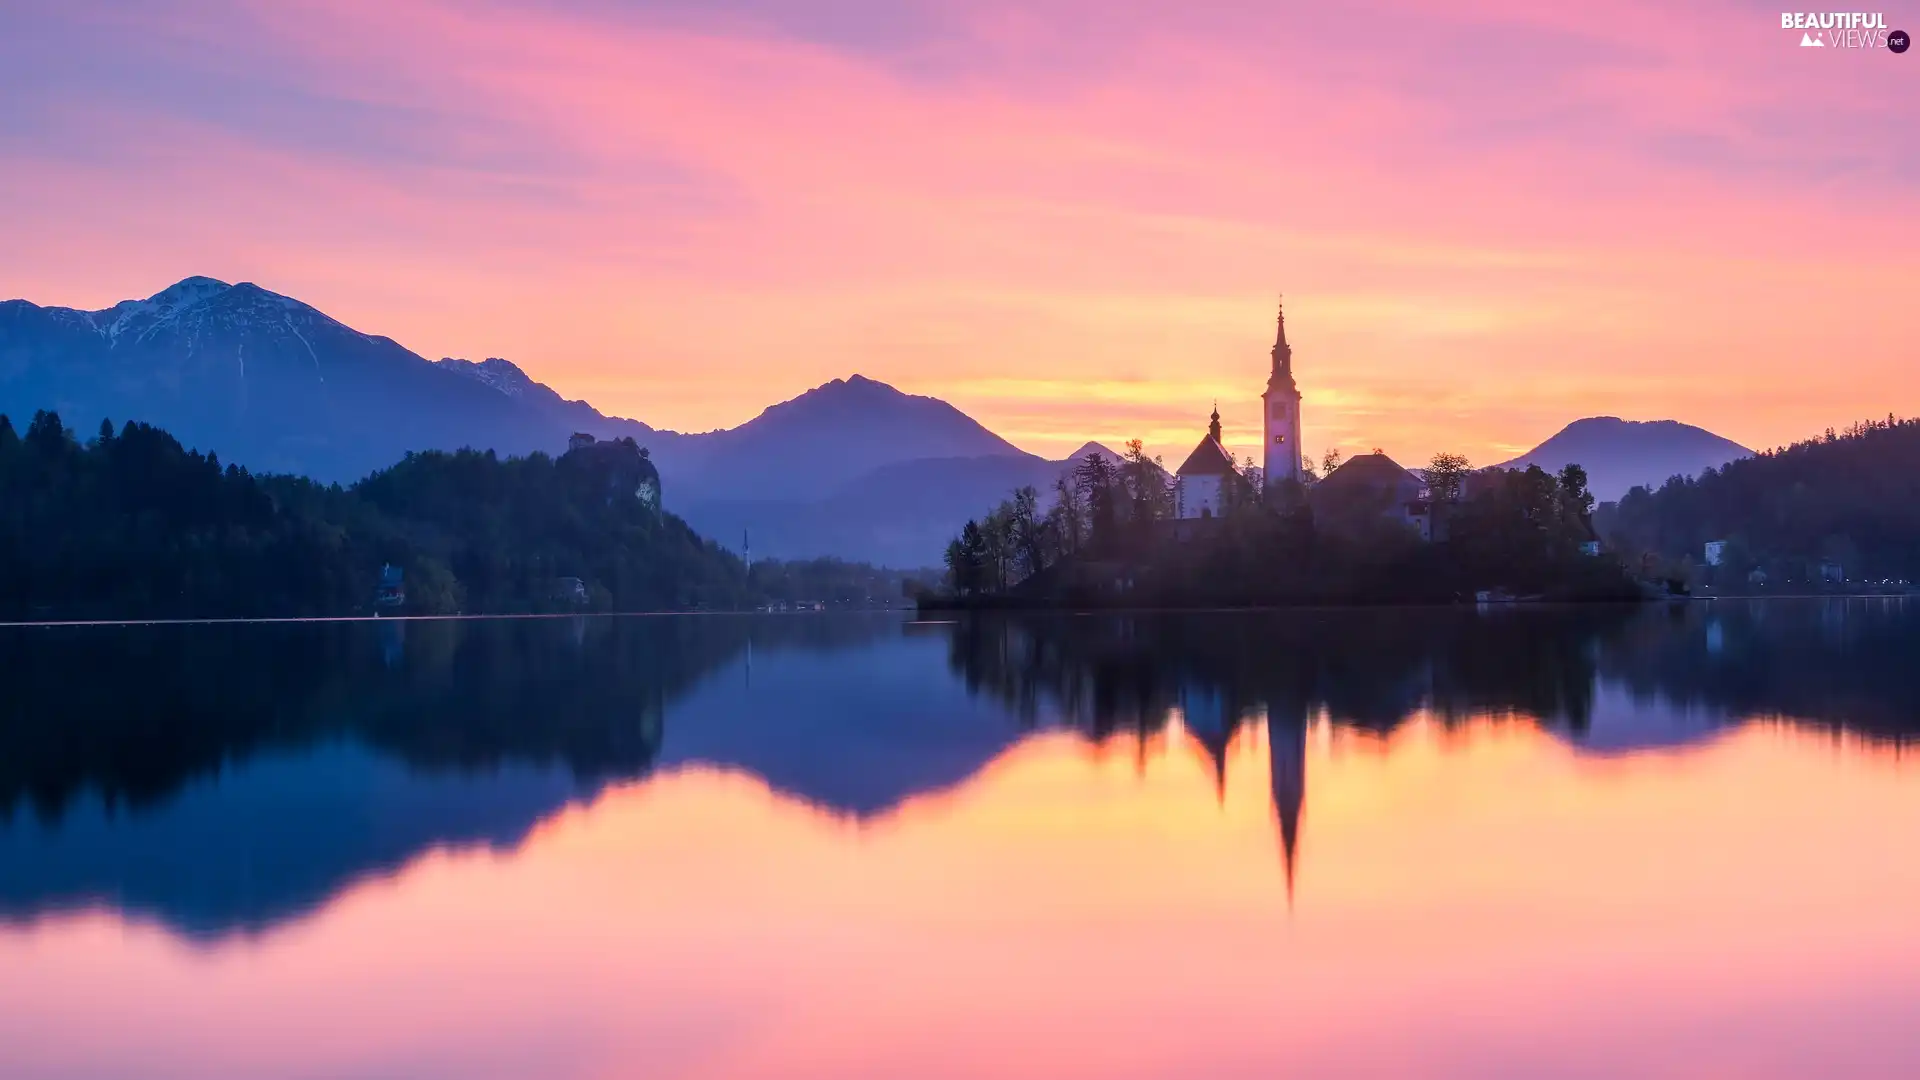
[[1282, 377], [1280, 406], [1213, 428]]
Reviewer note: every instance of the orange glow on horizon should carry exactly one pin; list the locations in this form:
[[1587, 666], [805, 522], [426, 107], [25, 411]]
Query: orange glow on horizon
[[1068, 234]]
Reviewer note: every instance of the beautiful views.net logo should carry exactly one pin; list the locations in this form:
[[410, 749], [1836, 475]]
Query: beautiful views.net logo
[[1844, 30]]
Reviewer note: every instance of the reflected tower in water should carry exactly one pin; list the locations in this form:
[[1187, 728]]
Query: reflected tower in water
[[1287, 765], [1212, 716]]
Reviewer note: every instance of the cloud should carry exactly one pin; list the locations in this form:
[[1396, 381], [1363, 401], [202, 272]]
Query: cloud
[[1069, 218]]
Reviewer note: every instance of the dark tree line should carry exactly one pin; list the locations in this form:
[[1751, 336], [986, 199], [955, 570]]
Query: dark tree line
[[1107, 533], [840, 584], [1101, 508], [1849, 498], [130, 524]]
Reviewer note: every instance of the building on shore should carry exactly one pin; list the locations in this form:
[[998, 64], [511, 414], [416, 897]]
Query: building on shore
[[391, 593]]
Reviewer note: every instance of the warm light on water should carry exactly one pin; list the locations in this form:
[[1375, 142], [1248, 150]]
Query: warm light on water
[[1472, 896]]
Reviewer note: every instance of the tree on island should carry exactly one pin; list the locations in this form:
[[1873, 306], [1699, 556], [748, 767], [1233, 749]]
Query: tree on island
[[1521, 532], [1446, 477]]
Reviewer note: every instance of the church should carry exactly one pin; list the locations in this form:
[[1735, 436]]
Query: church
[[1204, 479]]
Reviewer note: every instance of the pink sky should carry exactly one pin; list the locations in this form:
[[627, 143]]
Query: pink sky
[[1069, 219]]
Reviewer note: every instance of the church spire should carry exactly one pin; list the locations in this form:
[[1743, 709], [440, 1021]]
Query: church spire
[[1213, 428], [1280, 406], [1282, 377]]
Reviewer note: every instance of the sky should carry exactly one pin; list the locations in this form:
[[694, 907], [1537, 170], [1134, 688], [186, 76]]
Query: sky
[[1070, 219]]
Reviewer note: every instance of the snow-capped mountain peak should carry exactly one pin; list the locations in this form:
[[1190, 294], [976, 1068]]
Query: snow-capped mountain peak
[[137, 315], [502, 375], [187, 292]]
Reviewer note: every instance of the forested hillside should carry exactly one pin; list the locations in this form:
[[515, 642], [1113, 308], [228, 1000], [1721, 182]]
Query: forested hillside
[[1850, 498], [130, 524]]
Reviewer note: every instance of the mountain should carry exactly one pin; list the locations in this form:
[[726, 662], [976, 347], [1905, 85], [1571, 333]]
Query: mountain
[[1842, 506], [257, 377], [853, 468], [1113, 456], [506, 377], [810, 446], [1619, 454], [900, 514], [838, 432]]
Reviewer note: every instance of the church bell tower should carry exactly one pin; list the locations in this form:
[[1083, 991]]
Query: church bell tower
[[1280, 405]]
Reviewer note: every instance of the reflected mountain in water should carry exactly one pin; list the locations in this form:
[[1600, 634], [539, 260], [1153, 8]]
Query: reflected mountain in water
[[223, 779], [852, 728], [230, 777]]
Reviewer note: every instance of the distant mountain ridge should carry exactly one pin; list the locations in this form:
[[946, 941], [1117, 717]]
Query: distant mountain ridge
[[832, 435], [506, 377], [259, 378], [272, 383], [1620, 454], [853, 468]]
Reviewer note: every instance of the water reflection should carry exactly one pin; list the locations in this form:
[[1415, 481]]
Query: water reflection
[[1343, 842], [229, 778]]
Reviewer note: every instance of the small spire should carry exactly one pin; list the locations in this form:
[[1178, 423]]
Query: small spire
[[1282, 377], [1213, 428]]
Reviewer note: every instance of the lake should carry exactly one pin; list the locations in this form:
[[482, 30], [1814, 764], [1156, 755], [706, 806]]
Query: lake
[[1517, 842]]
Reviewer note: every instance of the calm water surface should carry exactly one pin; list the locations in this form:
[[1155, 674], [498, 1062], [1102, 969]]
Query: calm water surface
[[1519, 843]]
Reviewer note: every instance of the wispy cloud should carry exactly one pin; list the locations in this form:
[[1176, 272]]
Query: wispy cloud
[[1489, 217]]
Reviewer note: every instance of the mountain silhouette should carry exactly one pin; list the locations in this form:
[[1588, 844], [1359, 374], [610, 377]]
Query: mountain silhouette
[[898, 514], [854, 469], [506, 377], [1099, 448], [810, 446], [1619, 454], [271, 383], [259, 378]]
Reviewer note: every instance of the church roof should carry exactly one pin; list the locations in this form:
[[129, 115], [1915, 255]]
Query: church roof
[[1374, 470], [1207, 459]]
